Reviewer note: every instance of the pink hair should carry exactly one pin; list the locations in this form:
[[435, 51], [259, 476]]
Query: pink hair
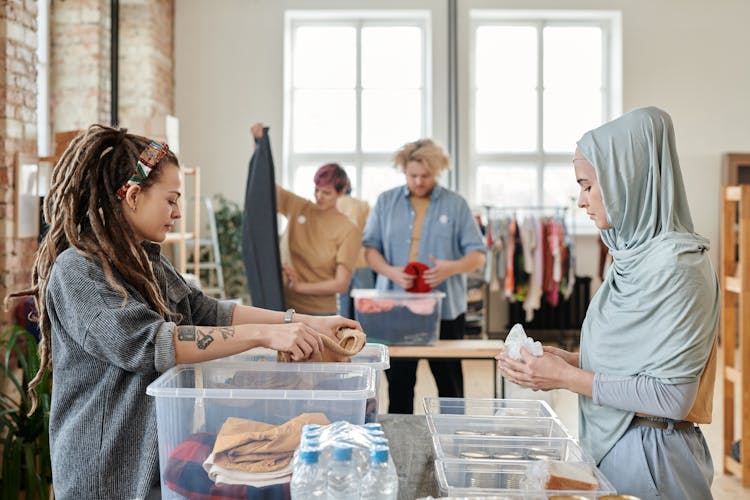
[[331, 174]]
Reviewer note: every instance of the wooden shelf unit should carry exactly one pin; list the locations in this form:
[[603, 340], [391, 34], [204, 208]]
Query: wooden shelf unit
[[180, 235], [735, 325]]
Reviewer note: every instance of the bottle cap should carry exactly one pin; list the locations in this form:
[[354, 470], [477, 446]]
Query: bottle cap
[[342, 453], [309, 455], [379, 455]]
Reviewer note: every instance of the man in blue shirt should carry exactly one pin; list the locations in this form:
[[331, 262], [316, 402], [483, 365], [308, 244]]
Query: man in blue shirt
[[424, 222]]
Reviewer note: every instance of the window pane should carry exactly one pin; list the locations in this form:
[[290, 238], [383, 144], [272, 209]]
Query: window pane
[[506, 55], [392, 57], [325, 57], [303, 184], [572, 55], [351, 172], [505, 121], [390, 118], [324, 120], [572, 84], [568, 115], [379, 178], [506, 185], [561, 189]]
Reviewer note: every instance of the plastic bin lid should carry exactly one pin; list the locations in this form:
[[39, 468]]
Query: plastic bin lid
[[374, 355], [373, 293], [170, 383]]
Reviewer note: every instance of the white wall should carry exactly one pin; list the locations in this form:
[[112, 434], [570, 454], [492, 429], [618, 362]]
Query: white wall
[[688, 57]]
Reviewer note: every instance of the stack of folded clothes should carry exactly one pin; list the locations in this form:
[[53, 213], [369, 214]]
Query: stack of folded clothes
[[246, 460]]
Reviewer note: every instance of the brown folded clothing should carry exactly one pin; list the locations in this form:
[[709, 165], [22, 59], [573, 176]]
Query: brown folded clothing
[[570, 476], [250, 446], [350, 342]]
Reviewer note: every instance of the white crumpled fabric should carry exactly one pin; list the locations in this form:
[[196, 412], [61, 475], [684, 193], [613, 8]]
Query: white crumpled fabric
[[516, 339]]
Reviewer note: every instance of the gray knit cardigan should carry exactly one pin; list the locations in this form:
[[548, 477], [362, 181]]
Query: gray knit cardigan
[[103, 435]]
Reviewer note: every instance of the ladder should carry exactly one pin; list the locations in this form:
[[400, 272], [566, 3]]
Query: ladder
[[209, 269]]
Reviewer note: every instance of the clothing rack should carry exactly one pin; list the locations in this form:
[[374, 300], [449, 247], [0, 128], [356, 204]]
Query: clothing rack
[[548, 319]]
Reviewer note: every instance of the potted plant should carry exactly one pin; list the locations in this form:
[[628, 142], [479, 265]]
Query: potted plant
[[24, 438], [229, 230]]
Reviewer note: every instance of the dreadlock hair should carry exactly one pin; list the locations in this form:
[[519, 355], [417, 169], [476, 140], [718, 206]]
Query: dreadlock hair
[[83, 211]]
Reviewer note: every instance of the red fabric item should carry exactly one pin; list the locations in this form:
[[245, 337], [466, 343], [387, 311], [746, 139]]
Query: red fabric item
[[417, 269]]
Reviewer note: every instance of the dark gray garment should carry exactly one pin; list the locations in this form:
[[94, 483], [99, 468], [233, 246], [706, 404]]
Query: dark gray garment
[[644, 394], [103, 436], [260, 233]]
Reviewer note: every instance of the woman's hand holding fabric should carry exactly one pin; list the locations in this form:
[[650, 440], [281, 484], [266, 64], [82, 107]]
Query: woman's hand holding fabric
[[298, 339], [329, 325], [545, 372]]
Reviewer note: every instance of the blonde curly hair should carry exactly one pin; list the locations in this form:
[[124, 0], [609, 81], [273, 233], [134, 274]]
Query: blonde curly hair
[[424, 151]]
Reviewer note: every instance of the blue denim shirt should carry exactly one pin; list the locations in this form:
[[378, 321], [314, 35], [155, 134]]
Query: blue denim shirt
[[449, 232]]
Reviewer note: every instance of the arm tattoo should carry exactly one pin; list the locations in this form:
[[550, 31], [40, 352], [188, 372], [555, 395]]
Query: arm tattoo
[[186, 333], [204, 338], [226, 332]]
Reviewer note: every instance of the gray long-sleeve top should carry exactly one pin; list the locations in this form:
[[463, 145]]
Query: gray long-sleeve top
[[102, 424], [644, 394]]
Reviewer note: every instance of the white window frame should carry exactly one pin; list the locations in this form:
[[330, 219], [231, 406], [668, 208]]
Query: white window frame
[[358, 20], [608, 21]]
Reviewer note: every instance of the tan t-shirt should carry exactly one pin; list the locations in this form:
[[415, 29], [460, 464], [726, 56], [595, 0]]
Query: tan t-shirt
[[318, 242], [357, 211], [420, 206]]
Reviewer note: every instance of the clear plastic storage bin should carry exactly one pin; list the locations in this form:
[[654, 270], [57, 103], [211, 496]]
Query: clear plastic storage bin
[[398, 318], [452, 446], [476, 407], [373, 355], [199, 398], [492, 427], [463, 478]]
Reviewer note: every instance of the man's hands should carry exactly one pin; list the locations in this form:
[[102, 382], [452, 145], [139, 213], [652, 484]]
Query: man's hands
[[440, 271], [401, 278]]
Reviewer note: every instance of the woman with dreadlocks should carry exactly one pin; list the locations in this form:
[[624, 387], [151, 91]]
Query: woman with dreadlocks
[[114, 313]]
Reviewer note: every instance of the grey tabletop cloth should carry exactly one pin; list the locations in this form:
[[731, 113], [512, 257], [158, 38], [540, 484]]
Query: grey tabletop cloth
[[411, 448]]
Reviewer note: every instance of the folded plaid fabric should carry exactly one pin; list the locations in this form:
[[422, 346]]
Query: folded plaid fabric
[[184, 474]]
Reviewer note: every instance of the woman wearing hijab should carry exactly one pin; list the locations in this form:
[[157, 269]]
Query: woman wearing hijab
[[645, 372]]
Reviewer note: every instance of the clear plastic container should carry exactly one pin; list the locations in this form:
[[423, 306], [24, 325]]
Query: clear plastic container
[[372, 355], [398, 318], [452, 446], [199, 398], [467, 478], [506, 427], [476, 407]]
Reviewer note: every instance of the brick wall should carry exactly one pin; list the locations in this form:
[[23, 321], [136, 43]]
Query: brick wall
[[79, 63], [146, 61], [18, 133]]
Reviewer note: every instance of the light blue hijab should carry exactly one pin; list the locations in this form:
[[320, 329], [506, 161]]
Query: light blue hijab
[[656, 312]]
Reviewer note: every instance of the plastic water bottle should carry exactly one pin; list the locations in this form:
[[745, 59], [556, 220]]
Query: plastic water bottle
[[305, 443], [308, 479], [343, 480], [380, 483]]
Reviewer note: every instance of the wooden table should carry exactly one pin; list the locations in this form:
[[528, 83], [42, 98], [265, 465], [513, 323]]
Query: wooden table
[[455, 349]]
